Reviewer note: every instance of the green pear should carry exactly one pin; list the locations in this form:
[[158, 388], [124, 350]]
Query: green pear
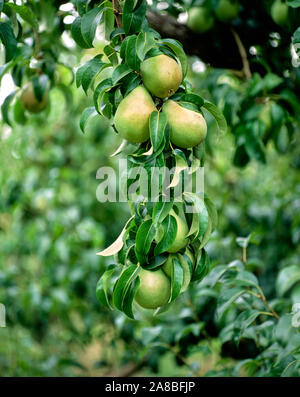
[[30, 102], [132, 115], [188, 128], [182, 230], [279, 12], [161, 75], [154, 289], [200, 19], [227, 10]]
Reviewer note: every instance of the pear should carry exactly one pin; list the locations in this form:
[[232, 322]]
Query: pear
[[132, 115], [227, 10], [161, 75], [182, 230], [154, 289], [30, 102], [188, 128], [200, 19], [279, 12]]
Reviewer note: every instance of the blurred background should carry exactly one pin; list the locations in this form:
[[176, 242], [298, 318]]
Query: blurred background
[[51, 226]]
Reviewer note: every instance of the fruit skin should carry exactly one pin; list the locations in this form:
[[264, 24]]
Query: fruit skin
[[182, 230], [188, 128], [187, 275], [227, 10], [154, 289], [132, 115], [30, 102], [279, 12], [200, 20], [161, 75]]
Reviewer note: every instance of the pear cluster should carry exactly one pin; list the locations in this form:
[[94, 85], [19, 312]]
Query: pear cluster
[[161, 76], [155, 286], [201, 19]]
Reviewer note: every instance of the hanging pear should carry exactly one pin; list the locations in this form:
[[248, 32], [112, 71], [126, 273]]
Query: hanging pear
[[188, 128], [132, 116], [161, 75], [154, 289]]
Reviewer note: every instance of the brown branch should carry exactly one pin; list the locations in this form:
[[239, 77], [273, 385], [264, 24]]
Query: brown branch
[[243, 54], [206, 46], [118, 12]]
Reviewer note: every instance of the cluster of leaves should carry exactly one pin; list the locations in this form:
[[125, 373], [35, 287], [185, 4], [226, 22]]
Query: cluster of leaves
[[31, 34], [137, 246]]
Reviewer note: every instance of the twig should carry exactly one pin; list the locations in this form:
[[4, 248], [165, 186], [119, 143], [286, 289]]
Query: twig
[[264, 299], [243, 54], [117, 12]]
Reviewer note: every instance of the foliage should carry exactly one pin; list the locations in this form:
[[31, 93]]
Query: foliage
[[240, 318]]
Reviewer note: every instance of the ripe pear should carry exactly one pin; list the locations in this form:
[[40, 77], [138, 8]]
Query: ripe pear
[[30, 102], [161, 75], [227, 10], [154, 289], [188, 128], [200, 19], [132, 115], [279, 12]]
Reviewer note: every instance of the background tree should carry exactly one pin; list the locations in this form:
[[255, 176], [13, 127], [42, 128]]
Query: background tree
[[239, 319]]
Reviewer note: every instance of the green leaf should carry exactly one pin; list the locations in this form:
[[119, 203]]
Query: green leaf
[[25, 13], [296, 43], [133, 15], [103, 286], [161, 210], [111, 54], [119, 72], [77, 35], [157, 126], [202, 266], [86, 74], [144, 238], [128, 52], [199, 208], [123, 284], [89, 24], [212, 211], [5, 107], [244, 277], [181, 165], [287, 277], [168, 235], [227, 297], [176, 279], [218, 116], [40, 84], [243, 321], [193, 98], [9, 41], [129, 296], [101, 89], [1, 5], [156, 261], [176, 47], [85, 116], [145, 41]]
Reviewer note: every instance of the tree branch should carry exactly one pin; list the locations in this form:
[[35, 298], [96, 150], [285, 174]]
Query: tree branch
[[206, 46]]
